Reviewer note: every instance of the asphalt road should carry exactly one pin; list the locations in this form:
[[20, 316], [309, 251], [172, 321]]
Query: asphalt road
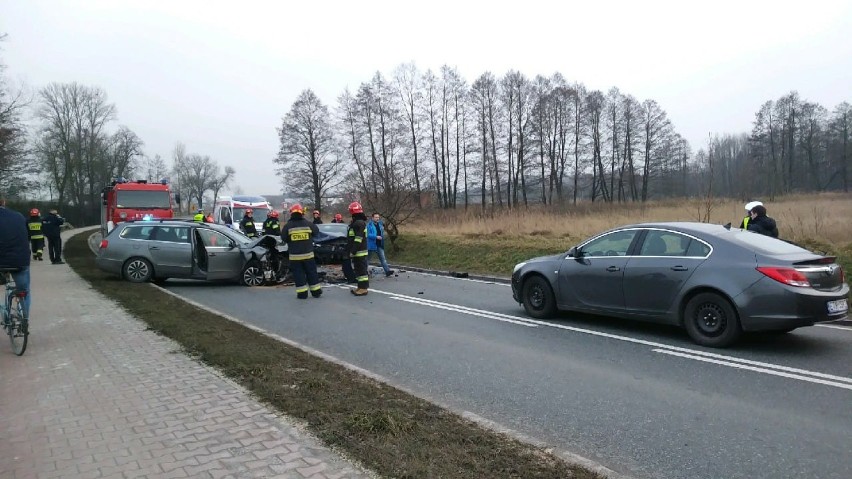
[[640, 399]]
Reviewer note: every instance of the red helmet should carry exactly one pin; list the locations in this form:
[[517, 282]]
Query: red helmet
[[34, 212], [297, 208], [355, 207], [338, 217], [273, 214]]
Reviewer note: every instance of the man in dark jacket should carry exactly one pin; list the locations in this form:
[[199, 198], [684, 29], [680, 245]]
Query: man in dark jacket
[[357, 234], [14, 249], [34, 224], [299, 233], [52, 227], [247, 224], [272, 226], [760, 223]]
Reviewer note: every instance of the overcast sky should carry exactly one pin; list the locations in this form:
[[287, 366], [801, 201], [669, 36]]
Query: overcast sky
[[218, 76]]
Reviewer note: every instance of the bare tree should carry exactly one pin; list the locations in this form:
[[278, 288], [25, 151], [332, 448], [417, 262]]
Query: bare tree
[[13, 144], [155, 169], [198, 173], [221, 180], [125, 152], [307, 158], [74, 144]]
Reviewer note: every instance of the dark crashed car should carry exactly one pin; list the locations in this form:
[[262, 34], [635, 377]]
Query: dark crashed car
[[144, 251], [331, 244], [714, 281]]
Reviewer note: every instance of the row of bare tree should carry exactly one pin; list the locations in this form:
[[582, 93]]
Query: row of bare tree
[[427, 137]]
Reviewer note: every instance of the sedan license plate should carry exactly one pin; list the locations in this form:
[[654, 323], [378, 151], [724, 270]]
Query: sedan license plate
[[839, 306]]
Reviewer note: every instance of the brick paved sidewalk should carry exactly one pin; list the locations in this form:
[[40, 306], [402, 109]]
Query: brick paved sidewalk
[[96, 395]]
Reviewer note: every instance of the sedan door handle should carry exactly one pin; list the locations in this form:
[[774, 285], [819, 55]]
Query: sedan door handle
[[613, 269], [153, 247], [680, 268]]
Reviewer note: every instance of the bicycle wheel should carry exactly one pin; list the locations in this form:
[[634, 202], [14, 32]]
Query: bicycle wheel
[[18, 326]]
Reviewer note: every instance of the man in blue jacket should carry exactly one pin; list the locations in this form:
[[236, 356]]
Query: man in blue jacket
[[52, 228], [376, 242], [15, 248]]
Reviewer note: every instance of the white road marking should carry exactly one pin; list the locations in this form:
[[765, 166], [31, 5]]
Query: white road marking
[[756, 369], [833, 327], [785, 371], [472, 312]]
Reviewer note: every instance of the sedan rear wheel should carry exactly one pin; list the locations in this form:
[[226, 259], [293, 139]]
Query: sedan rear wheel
[[138, 270], [711, 321], [252, 274], [538, 298]]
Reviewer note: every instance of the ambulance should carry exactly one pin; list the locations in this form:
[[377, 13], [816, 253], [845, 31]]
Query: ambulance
[[229, 210]]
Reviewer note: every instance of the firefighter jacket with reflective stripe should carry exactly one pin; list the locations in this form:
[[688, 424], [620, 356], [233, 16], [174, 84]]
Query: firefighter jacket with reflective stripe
[[272, 227], [34, 225], [248, 227], [299, 233], [357, 235], [744, 224]]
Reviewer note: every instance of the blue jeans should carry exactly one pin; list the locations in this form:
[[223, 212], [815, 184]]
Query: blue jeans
[[22, 283], [380, 252]]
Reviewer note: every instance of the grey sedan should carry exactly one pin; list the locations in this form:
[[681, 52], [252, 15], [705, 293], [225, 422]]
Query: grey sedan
[[157, 250], [714, 281]]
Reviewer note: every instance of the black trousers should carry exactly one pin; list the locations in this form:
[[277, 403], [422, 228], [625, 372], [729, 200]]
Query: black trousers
[[37, 245], [54, 248], [360, 263], [306, 278], [348, 272]]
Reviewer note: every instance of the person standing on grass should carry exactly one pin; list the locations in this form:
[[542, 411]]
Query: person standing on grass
[[376, 242], [748, 208], [52, 227], [15, 249], [760, 223]]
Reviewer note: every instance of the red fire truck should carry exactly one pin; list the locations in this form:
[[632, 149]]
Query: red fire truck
[[125, 200]]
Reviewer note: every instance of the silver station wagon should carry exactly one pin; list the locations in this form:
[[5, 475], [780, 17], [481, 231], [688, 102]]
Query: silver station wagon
[[144, 251]]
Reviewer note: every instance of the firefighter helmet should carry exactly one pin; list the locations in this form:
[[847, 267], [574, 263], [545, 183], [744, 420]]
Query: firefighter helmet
[[297, 208], [34, 212], [355, 207], [273, 214]]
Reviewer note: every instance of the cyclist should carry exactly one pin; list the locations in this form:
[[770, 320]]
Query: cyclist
[[15, 249]]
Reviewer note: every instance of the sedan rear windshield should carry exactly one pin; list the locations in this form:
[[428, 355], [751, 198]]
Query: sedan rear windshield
[[767, 244], [143, 199]]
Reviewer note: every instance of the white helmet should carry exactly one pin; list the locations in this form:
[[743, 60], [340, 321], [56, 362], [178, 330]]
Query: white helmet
[[750, 205]]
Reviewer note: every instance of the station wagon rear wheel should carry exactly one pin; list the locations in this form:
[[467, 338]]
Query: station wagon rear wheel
[[538, 298], [710, 320], [137, 270]]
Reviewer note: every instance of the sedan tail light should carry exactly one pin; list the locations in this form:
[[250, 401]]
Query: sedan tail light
[[104, 244], [789, 276]]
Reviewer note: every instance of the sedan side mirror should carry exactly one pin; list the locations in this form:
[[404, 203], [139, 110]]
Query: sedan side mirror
[[232, 244], [575, 252]]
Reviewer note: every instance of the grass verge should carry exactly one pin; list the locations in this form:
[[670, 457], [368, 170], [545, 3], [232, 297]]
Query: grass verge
[[497, 255], [387, 430]]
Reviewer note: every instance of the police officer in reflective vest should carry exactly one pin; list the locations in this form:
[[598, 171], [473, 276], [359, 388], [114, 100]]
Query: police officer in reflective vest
[[272, 226], [748, 207], [357, 234], [199, 217], [298, 233], [36, 235], [247, 224]]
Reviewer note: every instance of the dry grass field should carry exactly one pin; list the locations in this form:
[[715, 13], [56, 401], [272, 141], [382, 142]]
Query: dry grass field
[[825, 218], [471, 241]]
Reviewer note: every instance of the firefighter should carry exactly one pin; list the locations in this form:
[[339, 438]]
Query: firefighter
[[357, 234], [199, 216], [298, 233], [36, 235], [338, 218], [272, 226], [247, 224], [317, 217]]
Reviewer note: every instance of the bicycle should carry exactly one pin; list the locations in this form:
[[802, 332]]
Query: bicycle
[[15, 321]]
